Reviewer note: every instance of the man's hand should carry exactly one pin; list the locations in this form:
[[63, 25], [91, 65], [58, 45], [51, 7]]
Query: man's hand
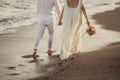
[[60, 22]]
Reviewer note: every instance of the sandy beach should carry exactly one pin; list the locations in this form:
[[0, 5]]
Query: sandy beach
[[99, 58]]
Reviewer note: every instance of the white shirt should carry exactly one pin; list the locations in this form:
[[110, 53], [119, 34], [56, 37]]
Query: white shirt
[[46, 7]]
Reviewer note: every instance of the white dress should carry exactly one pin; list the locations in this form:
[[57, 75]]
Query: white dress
[[72, 20]]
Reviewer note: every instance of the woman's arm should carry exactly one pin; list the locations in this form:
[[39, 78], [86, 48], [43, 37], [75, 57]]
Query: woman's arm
[[85, 14]]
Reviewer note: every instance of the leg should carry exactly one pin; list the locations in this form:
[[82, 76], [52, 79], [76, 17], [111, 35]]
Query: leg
[[35, 54], [65, 45], [50, 28], [76, 43], [41, 29]]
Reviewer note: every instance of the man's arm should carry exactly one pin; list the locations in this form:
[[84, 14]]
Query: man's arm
[[61, 16], [58, 8]]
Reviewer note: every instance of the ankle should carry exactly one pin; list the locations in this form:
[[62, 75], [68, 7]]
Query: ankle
[[35, 50], [49, 50]]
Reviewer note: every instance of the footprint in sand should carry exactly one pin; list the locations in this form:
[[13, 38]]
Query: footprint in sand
[[45, 78], [60, 64], [32, 61], [28, 56], [14, 74], [62, 69], [21, 65], [11, 68], [101, 4]]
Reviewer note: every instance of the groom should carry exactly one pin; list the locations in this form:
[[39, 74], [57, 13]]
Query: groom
[[46, 15]]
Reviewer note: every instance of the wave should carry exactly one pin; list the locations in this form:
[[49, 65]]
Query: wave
[[14, 14], [10, 25]]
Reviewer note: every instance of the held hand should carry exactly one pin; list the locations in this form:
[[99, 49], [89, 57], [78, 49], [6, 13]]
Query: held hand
[[60, 23]]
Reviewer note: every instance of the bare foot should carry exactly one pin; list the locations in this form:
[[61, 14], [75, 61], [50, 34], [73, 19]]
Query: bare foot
[[35, 54], [50, 52], [72, 56]]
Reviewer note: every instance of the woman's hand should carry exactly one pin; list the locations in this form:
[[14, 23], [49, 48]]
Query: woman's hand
[[60, 18]]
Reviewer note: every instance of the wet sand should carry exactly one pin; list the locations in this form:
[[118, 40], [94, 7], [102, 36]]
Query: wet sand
[[109, 19], [16, 62], [102, 64]]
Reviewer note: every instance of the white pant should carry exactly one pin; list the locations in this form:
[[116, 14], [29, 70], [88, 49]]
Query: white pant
[[45, 22]]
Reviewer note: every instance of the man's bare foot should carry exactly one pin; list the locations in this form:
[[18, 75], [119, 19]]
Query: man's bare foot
[[35, 54], [50, 52]]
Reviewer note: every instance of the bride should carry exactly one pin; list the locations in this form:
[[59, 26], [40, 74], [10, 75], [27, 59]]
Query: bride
[[72, 20]]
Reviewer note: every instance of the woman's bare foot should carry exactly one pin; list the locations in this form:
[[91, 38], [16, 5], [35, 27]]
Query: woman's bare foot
[[35, 54], [72, 56], [50, 52]]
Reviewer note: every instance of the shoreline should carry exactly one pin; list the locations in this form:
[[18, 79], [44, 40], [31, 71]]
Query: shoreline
[[12, 25]]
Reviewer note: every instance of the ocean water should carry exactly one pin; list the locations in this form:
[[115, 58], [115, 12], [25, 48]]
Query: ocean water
[[17, 13]]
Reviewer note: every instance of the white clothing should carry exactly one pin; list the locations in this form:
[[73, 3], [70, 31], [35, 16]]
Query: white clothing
[[41, 30], [46, 7], [46, 19], [72, 20]]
